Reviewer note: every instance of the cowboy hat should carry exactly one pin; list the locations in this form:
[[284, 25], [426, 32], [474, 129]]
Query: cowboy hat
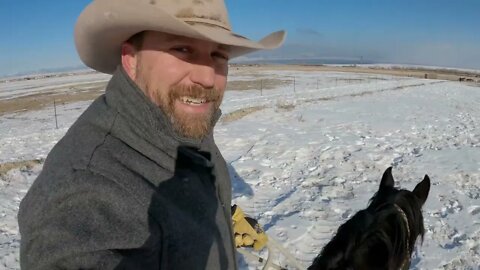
[[104, 25]]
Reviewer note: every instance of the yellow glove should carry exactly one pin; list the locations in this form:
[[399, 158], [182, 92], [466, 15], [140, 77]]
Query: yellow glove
[[247, 231]]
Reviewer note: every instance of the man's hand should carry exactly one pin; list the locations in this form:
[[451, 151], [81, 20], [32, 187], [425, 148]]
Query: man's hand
[[247, 231]]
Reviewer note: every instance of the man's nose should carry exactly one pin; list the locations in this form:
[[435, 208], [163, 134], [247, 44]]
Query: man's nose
[[203, 74]]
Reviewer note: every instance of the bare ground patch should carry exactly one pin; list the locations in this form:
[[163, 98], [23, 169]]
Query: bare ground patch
[[256, 84], [27, 164], [474, 84], [285, 106], [38, 101], [426, 73], [238, 114]]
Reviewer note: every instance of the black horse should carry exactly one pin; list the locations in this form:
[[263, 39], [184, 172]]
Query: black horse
[[383, 235]]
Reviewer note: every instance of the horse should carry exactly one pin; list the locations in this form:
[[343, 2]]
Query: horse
[[383, 235]]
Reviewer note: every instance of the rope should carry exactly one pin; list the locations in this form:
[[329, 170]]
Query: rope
[[256, 258], [272, 244], [269, 259]]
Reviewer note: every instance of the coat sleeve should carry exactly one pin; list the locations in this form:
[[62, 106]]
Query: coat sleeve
[[86, 222]]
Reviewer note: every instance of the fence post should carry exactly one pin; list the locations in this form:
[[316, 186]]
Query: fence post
[[261, 87], [294, 84], [55, 109]]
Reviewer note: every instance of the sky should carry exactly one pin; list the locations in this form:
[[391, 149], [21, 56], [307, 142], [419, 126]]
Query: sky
[[37, 35]]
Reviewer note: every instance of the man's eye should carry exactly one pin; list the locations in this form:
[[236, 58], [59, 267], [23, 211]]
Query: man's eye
[[220, 55], [181, 49]]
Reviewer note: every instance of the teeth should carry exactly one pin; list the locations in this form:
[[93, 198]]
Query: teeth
[[191, 100]]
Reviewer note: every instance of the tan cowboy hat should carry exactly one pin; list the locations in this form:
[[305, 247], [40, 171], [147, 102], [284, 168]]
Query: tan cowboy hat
[[104, 25]]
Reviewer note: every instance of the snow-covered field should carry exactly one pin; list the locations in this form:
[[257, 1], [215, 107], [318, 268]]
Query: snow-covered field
[[313, 157]]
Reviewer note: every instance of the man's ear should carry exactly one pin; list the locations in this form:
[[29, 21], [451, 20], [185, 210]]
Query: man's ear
[[129, 60]]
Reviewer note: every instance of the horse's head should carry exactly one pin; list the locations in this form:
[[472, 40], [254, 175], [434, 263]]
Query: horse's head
[[381, 236], [397, 224]]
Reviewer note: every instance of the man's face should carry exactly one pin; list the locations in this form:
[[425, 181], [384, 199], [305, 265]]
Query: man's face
[[185, 77]]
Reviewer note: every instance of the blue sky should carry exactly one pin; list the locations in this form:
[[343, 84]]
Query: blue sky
[[38, 34]]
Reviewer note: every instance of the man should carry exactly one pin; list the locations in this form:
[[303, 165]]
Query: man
[[138, 182]]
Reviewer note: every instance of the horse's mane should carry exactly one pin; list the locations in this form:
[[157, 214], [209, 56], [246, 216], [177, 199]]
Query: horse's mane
[[336, 254]]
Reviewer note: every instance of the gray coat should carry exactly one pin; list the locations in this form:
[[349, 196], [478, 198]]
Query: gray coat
[[122, 191]]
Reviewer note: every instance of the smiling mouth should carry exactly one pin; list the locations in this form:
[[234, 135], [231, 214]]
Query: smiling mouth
[[193, 101]]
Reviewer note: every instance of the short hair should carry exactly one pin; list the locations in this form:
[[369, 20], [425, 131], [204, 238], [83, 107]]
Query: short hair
[[137, 40]]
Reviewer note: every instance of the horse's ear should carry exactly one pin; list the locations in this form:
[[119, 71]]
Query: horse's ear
[[387, 179], [422, 189]]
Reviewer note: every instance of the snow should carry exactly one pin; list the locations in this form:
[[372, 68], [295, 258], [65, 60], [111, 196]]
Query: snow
[[313, 157]]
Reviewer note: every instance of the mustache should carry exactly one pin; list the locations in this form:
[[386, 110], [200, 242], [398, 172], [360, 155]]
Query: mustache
[[195, 91]]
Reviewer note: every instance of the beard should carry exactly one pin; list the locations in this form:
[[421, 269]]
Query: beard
[[189, 125]]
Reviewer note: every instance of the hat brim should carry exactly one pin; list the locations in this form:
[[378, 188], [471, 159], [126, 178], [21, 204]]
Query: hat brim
[[104, 25]]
